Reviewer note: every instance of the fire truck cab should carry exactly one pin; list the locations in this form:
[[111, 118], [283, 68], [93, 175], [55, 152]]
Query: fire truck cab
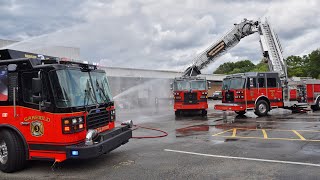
[[54, 110], [258, 91], [190, 94]]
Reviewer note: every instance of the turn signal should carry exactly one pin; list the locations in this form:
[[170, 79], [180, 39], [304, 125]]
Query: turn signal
[[67, 129], [66, 121]]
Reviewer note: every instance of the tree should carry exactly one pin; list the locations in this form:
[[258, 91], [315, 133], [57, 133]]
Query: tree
[[305, 66], [224, 68], [240, 67], [313, 60], [297, 66], [261, 67]]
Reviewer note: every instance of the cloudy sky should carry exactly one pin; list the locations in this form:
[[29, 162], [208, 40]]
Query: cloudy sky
[[155, 34]]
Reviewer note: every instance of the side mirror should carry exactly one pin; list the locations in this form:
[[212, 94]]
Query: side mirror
[[209, 85], [171, 86], [251, 82], [36, 85]]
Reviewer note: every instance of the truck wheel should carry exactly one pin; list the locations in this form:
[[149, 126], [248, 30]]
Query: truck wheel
[[240, 112], [316, 107], [262, 108], [177, 113], [204, 112], [12, 153]]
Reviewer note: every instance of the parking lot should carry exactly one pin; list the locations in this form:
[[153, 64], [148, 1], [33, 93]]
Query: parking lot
[[282, 145]]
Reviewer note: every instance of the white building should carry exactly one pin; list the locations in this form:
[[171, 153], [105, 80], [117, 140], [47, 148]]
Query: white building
[[57, 51]]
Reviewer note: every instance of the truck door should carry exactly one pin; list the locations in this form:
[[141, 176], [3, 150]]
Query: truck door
[[262, 87], [251, 91], [274, 91], [36, 124]]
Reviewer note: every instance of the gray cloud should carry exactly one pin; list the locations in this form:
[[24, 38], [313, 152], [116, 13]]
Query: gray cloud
[[157, 34]]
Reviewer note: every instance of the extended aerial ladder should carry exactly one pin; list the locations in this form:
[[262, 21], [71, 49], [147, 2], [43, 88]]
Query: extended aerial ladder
[[269, 41]]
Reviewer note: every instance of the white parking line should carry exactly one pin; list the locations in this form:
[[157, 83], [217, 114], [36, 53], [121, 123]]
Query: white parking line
[[288, 122], [244, 158]]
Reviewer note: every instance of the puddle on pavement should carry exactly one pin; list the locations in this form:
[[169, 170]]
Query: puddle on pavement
[[233, 139], [192, 130]]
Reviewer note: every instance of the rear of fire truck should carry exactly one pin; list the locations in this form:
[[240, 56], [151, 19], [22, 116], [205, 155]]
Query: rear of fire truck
[[54, 110], [190, 94]]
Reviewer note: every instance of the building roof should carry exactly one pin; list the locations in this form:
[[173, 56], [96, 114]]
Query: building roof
[[149, 73]]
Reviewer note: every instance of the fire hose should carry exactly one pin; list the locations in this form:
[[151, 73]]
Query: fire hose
[[164, 134]]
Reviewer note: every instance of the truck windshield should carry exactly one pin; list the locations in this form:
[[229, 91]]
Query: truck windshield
[[198, 85], [72, 87], [187, 85], [233, 83]]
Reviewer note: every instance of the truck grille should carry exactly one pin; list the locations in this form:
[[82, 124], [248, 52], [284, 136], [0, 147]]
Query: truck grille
[[97, 118], [190, 98], [230, 96]]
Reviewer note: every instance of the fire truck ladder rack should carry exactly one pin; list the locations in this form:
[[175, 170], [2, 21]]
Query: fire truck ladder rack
[[272, 51]]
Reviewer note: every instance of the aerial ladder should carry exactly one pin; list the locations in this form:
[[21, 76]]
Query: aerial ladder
[[269, 42]]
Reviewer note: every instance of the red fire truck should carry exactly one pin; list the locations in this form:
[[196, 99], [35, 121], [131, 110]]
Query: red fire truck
[[54, 110], [262, 92], [190, 94]]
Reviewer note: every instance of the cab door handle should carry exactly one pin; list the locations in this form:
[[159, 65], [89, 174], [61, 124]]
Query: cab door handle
[[24, 123]]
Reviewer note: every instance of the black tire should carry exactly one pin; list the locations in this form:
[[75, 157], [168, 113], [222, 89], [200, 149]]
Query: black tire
[[240, 112], [204, 112], [177, 113], [262, 108], [316, 107], [12, 145]]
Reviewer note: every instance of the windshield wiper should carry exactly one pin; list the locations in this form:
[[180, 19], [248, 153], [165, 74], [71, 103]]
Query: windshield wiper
[[106, 98], [88, 93]]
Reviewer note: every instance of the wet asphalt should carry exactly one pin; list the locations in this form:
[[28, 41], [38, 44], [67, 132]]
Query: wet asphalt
[[280, 146]]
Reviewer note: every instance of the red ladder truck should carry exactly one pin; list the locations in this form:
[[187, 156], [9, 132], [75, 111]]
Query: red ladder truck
[[53, 109], [262, 92]]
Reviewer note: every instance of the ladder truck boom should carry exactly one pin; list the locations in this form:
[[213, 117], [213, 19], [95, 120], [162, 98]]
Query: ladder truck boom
[[270, 45], [232, 38]]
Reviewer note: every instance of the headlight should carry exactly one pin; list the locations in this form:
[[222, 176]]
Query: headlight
[[112, 115], [72, 124]]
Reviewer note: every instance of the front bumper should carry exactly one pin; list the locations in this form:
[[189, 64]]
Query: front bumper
[[230, 107], [198, 106], [107, 141]]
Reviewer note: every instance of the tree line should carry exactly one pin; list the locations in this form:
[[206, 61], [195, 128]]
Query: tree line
[[298, 66]]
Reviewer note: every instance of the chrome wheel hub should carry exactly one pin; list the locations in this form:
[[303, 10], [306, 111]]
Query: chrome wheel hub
[[262, 108], [3, 152]]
